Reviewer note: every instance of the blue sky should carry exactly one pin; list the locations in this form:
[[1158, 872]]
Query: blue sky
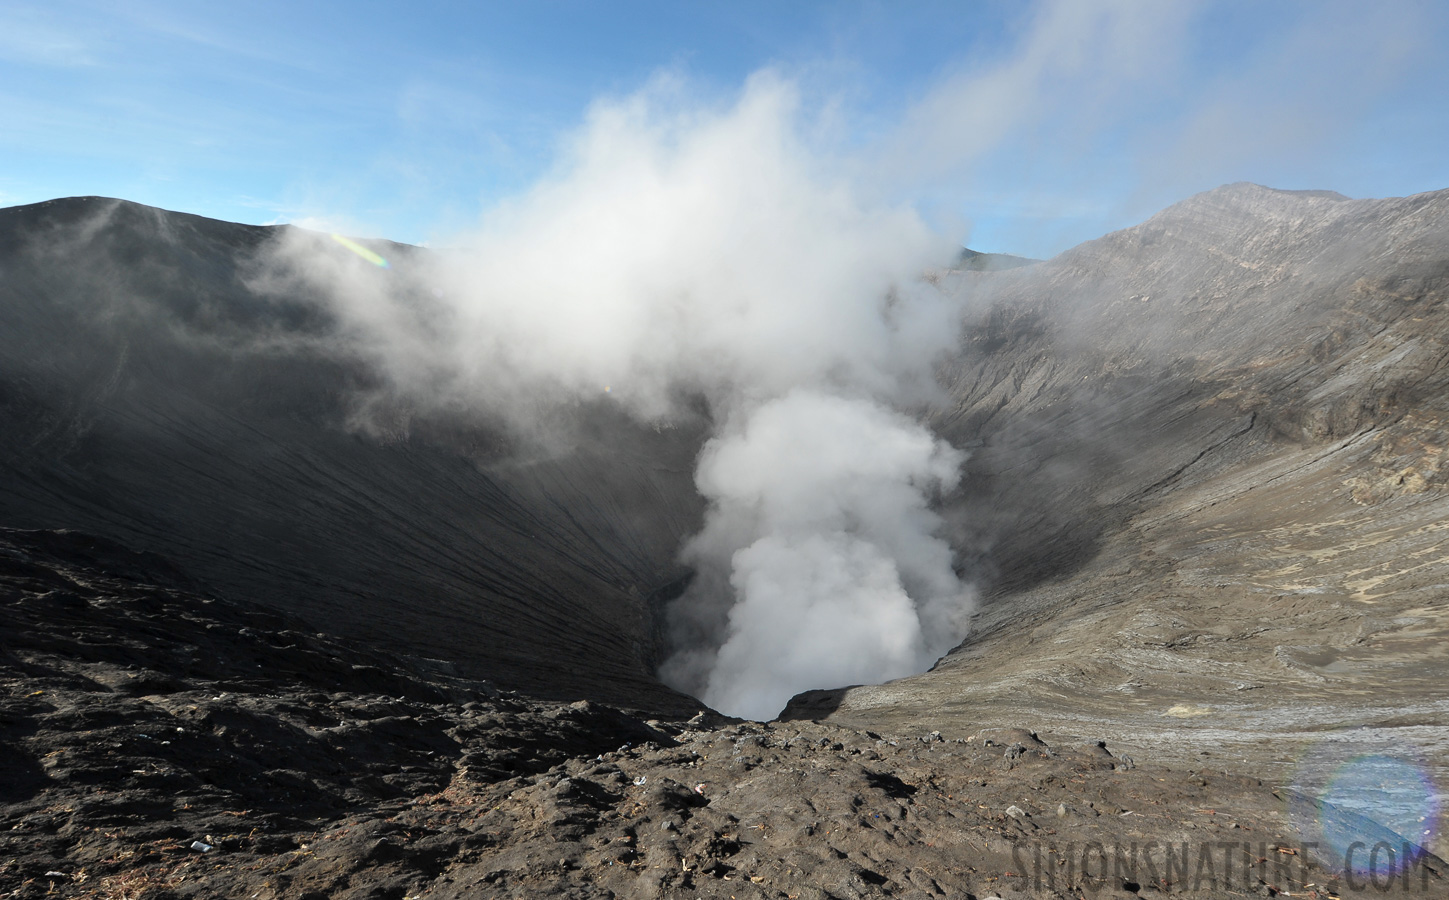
[[1027, 127]]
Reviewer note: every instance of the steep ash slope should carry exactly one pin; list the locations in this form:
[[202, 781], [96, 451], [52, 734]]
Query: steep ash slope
[[151, 395], [1243, 321], [1208, 487]]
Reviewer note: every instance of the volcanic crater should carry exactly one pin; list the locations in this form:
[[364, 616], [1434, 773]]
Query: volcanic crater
[[252, 648]]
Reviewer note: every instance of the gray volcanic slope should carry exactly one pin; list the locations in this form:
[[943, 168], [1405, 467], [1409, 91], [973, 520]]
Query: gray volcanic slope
[[150, 396], [1207, 491]]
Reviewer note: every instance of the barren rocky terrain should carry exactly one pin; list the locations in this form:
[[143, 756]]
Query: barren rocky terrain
[[160, 742], [251, 650]]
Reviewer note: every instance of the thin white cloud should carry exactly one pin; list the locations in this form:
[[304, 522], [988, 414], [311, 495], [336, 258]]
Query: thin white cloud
[[1285, 105], [1074, 71], [34, 36]]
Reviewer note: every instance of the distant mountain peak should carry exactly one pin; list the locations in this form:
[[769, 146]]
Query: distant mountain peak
[[976, 261], [1238, 187]]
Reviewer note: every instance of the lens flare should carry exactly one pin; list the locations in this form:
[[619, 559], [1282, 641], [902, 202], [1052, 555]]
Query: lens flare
[[1365, 811], [362, 251], [1394, 793]]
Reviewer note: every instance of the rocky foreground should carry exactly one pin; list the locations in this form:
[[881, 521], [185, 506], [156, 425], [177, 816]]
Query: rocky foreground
[[157, 741]]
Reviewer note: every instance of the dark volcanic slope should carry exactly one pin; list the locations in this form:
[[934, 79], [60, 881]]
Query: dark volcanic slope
[[149, 395]]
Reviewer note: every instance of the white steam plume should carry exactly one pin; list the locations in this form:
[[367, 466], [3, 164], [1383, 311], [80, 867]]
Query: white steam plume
[[819, 510], [713, 254]]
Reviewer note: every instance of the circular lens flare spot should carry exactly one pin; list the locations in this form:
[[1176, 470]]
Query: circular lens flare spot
[[1396, 794], [1369, 813]]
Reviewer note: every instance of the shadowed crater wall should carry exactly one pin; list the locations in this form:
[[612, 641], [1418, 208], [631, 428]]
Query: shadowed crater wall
[[151, 397]]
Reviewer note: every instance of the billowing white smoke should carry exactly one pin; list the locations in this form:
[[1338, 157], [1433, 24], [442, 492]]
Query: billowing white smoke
[[819, 508], [679, 253]]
